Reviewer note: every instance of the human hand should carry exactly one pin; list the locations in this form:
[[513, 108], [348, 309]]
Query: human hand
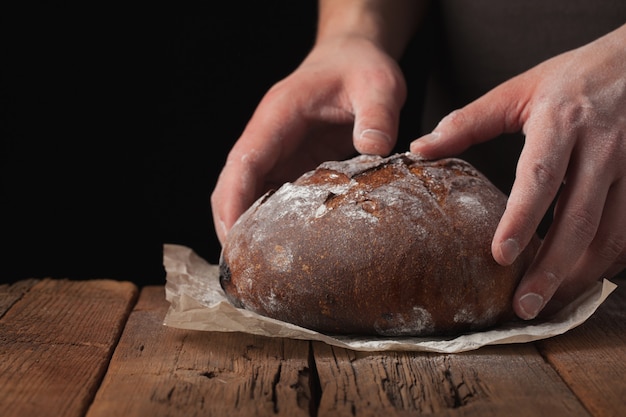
[[345, 96], [572, 109]]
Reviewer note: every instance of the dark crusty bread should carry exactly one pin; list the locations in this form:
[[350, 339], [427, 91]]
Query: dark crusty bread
[[382, 246]]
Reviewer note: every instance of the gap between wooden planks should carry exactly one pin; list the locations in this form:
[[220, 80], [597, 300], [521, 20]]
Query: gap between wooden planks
[[69, 329], [56, 339], [161, 371]]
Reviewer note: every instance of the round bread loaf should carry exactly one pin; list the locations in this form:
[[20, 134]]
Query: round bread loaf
[[394, 246]]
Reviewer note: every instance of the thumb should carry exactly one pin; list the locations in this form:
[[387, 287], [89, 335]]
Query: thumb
[[375, 130], [499, 111], [376, 115]]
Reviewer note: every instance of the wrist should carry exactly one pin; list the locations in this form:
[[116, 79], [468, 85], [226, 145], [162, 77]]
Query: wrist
[[387, 24]]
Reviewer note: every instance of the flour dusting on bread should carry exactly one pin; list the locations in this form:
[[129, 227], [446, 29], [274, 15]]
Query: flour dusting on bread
[[395, 246]]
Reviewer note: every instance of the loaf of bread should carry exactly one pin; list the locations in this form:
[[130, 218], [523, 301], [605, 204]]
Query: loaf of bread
[[394, 246]]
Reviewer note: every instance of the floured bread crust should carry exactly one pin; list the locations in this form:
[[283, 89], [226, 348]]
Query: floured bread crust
[[391, 246]]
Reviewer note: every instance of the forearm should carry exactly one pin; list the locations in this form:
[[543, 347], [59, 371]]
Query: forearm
[[387, 23]]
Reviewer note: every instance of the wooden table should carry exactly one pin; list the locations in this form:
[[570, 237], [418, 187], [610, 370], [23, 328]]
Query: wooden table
[[99, 348]]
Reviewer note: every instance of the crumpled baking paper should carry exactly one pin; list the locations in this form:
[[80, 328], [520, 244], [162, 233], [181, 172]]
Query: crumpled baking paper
[[197, 302]]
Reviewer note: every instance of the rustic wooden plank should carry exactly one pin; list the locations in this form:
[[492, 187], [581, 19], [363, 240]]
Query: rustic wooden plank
[[592, 358], [161, 371], [55, 345], [493, 381], [11, 293]]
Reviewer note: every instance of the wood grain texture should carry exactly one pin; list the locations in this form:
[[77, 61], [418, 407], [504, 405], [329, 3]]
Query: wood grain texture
[[11, 293], [57, 338], [493, 381], [56, 342], [592, 358], [161, 371]]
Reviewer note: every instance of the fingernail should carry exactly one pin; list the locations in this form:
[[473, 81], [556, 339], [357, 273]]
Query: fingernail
[[424, 140], [531, 304], [373, 137], [509, 250], [429, 138]]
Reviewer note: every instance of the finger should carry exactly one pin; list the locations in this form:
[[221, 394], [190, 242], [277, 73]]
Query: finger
[[606, 251], [540, 171], [499, 111], [375, 130], [254, 154], [236, 189], [575, 225], [618, 266], [376, 109]]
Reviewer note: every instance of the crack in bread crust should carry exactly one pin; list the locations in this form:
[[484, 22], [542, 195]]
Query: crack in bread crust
[[389, 246]]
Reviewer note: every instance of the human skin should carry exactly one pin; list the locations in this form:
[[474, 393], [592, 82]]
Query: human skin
[[347, 95], [572, 110]]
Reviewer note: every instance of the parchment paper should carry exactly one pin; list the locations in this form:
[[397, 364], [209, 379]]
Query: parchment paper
[[197, 302]]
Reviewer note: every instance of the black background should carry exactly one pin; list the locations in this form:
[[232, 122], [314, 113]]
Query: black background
[[115, 123]]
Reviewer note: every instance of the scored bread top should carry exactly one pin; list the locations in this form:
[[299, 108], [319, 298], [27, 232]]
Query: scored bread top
[[388, 246]]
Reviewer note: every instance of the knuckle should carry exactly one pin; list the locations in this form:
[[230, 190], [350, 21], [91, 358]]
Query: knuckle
[[573, 114], [582, 222], [621, 259], [456, 119], [382, 87], [611, 248], [550, 279], [275, 91], [379, 117], [544, 176], [385, 77]]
